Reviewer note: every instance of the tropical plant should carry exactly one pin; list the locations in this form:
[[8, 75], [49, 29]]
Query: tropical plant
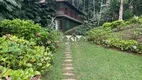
[[21, 28], [18, 74], [31, 31], [117, 23], [98, 34], [107, 25], [21, 54], [109, 35]]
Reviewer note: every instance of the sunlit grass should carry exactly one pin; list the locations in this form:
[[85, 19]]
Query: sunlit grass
[[93, 62]]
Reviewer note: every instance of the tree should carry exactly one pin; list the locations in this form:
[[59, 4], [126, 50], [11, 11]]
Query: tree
[[121, 10], [39, 11]]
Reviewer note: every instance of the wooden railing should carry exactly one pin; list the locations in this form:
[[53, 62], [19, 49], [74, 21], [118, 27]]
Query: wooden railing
[[75, 37]]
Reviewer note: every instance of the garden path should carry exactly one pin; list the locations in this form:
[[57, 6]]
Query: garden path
[[68, 67]]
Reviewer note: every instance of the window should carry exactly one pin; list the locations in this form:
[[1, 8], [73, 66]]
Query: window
[[71, 13], [66, 11], [60, 24], [75, 16]]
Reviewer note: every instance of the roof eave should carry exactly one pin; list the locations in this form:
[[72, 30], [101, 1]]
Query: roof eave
[[66, 16]]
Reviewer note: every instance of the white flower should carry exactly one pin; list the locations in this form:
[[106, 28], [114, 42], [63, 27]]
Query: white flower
[[134, 47], [106, 41]]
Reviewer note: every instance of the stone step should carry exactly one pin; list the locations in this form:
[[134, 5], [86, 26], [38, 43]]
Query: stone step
[[67, 65], [68, 60], [68, 74], [68, 68], [65, 62], [69, 79], [68, 47], [68, 57], [68, 71], [68, 52]]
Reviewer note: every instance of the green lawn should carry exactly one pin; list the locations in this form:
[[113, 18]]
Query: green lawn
[[92, 62], [56, 71]]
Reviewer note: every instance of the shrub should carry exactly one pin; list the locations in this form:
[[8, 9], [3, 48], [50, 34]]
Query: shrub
[[117, 23], [54, 37], [121, 44], [127, 23], [21, 28], [107, 25], [140, 20], [98, 34], [104, 35], [128, 14], [134, 20], [21, 54], [30, 31], [18, 74], [138, 48]]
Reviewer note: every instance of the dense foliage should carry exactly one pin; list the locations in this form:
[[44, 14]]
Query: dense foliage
[[30, 31], [21, 28], [123, 35], [19, 54], [29, 51], [28, 9], [9, 9], [98, 12]]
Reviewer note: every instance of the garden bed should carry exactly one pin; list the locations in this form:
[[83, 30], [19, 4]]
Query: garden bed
[[128, 40]]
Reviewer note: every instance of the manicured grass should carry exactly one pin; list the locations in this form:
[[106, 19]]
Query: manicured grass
[[93, 62], [56, 72]]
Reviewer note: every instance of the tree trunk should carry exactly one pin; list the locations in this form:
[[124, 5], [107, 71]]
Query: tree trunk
[[73, 2], [121, 10], [94, 10], [108, 3]]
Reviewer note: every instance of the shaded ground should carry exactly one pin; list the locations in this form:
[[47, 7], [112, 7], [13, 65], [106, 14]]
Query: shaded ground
[[92, 62]]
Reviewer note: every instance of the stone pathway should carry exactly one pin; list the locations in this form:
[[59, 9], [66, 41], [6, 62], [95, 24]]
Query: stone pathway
[[68, 67]]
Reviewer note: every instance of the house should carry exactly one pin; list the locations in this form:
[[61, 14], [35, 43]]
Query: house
[[67, 15]]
